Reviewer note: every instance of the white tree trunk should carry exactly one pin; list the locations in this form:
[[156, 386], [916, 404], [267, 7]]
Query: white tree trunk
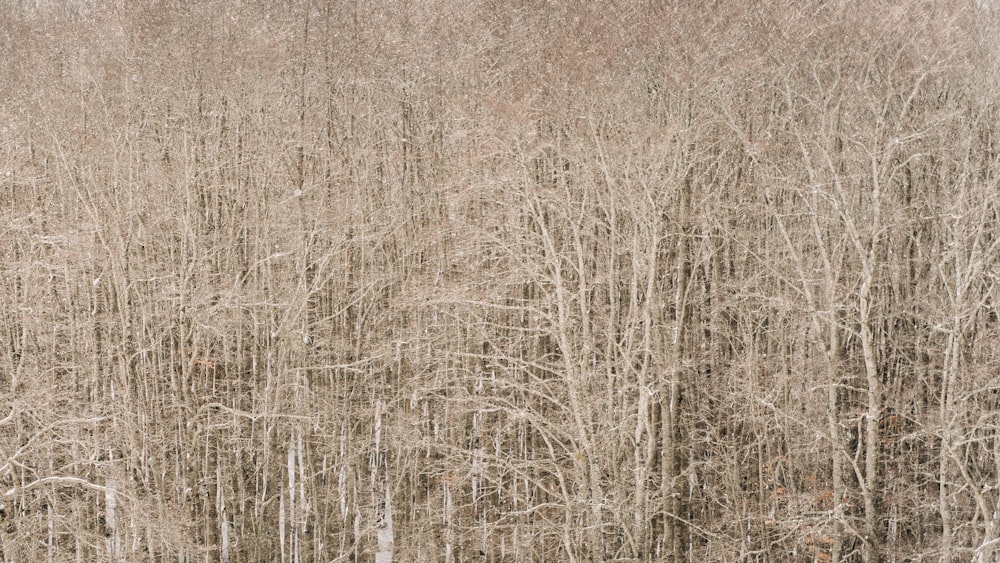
[[385, 534]]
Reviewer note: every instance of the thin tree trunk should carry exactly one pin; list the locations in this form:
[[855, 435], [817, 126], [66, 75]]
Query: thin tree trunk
[[672, 459], [872, 548], [833, 422]]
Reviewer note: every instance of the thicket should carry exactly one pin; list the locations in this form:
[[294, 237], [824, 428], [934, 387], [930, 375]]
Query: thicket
[[502, 281]]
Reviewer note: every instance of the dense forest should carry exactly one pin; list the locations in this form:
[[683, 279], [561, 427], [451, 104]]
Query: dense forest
[[498, 281]]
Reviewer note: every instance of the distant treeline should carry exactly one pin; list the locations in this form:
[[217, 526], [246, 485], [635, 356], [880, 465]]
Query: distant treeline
[[499, 281]]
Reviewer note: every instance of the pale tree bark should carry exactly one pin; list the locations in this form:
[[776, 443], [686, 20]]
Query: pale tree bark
[[675, 519], [385, 531]]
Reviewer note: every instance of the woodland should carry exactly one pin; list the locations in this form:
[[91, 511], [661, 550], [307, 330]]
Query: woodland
[[540, 280]]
